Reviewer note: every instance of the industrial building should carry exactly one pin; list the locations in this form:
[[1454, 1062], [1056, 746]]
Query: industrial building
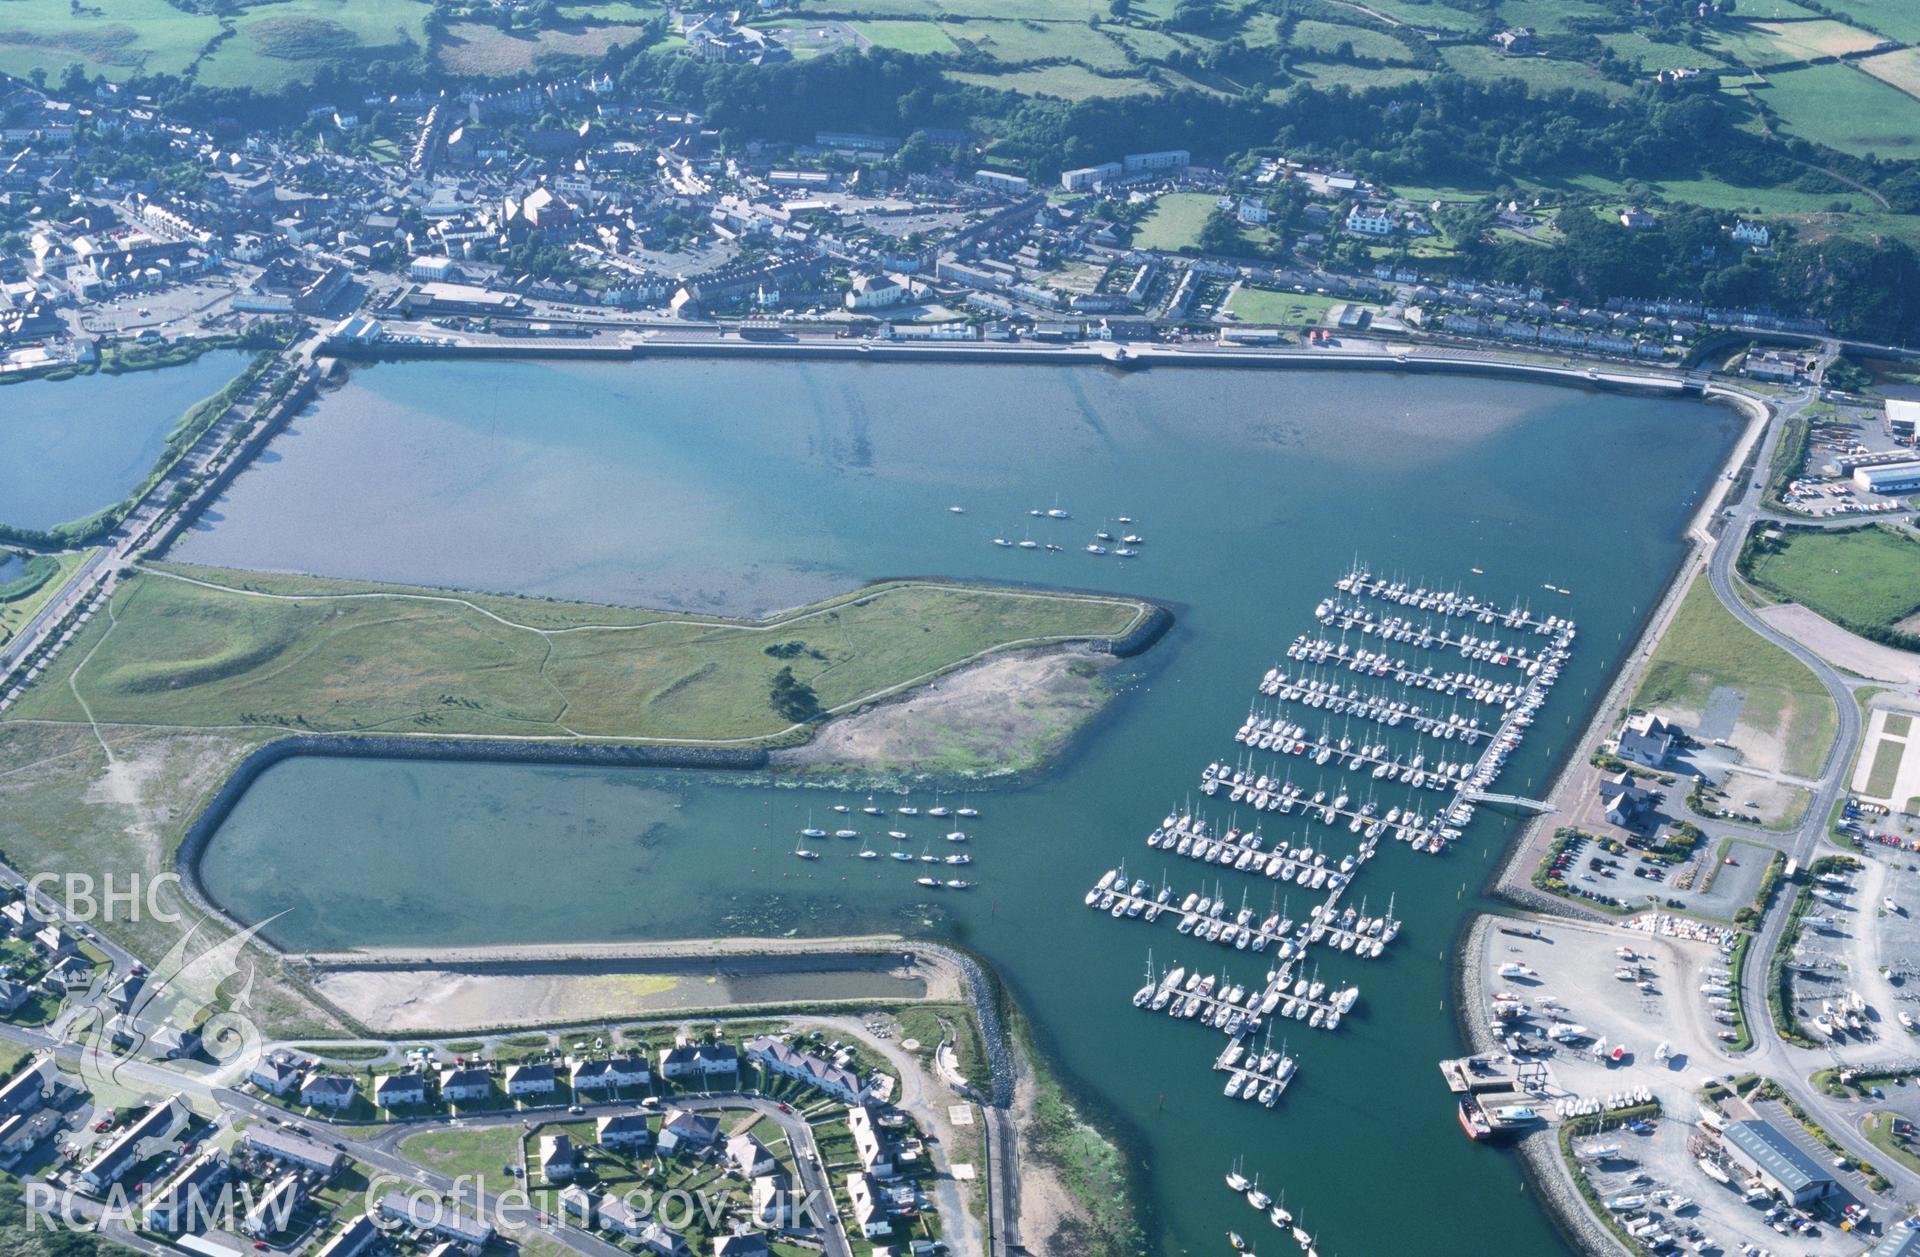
[[1889, 478], [1762, 1150], [1900, 418]]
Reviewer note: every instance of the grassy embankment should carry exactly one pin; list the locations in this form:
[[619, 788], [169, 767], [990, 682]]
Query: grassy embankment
[[1863, 579], [1705, 648], [298, 653], [45, 577]]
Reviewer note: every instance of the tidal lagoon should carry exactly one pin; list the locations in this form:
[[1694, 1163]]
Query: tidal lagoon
[[749, 486], [75, 446]]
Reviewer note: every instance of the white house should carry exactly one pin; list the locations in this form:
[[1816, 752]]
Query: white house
[[620, 1071], [781, 1057], [771, 1196], [275, 1075], [328, 1091], [699, 1060], [875, 292], [867, 1142], [749, 1157], [623, 1130], [531, 1080], [1755, 234], [868, 1214], [1370, 220], [1647, 740], [459, 1085], [557, 1159], [396, 1091]]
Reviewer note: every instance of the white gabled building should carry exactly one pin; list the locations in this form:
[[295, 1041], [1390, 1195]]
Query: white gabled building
[[1370, 220]]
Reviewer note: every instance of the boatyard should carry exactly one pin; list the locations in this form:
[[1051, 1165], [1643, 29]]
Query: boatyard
[[1414, 695], [1617, 1032]]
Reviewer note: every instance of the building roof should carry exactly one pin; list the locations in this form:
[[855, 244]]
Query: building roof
[[1899, 1242], [272, 1141], [1783, 1160]]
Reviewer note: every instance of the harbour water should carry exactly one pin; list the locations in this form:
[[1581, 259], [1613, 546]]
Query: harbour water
[[75, 446], [748, 486]]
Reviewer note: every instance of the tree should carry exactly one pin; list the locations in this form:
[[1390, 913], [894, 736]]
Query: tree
[[793, 698]]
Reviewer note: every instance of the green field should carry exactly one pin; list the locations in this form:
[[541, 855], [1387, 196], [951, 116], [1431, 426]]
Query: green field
[[1325, 37], [1887, 754], [1540, 74], [479, 1152], [287, 41], [250, 650], [1845, 108], [1704, 647], [1896, 19], [1284, 309], [118, 39], [907, 36], [1068, 82], [1176, 221], [1865, 578]]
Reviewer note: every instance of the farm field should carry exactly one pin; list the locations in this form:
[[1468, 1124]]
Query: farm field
[[1896, 69], [1325, 37], [1428, 15], [248, 649], [1328, 74], [1819, 39], [1176, 221], [287, 41], [1896, 19], [1705, 649], [1846, 109], [1861, 577], [1068, 82], [1016, 43], [116, 40], [1653, 55], [918, 37], [1541, 74], [478, 49]]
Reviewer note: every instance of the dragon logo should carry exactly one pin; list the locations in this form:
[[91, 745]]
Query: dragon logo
[[184, 1031]]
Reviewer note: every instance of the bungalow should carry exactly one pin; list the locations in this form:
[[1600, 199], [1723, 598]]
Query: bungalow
[[140, 1140], [14, 994], [618, 1214], [187, 1198], [748, 1244], [1647, 739], [28, 1089], [529, 1080], [356, 1238], [867, 1142], [772, 1200], [15, 916], [276, 1075], [699, 1060], [749, 1157], [436, 1218], [55, 941], [576, 1204], [463, 1084], [328, 1091], [868, 1214], [277, 1144], [398, 1091], [689, 1130], [623, 1130], [783, 1058], [22, 1131], [557, 1158], [274, 1208], [621, 1071]]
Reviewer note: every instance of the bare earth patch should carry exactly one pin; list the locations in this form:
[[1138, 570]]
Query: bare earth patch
[[476, 48], [1843, 649], [457, 997], [1003, 715]]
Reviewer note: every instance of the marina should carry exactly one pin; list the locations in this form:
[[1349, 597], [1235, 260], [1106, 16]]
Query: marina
[[1242, 1011], [603, 853]]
